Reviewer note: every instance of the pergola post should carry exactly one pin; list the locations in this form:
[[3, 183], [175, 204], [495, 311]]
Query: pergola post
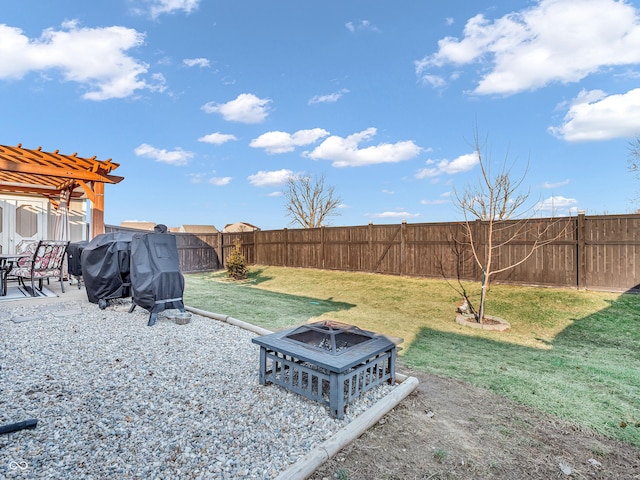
[[97, 210]]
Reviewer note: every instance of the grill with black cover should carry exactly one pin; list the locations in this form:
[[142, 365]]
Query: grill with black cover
[[156, 281], [105, 264]]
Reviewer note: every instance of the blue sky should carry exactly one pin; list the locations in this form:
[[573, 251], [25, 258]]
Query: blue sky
[[209, 106]]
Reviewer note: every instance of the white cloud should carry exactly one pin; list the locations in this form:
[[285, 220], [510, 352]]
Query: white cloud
[[196, 177], [553, 41], [282, 142], [361, 25], [595, 116], [444, 198], [220, 181], [196, 62], [275, 194], [270, 179], [550, 185], [344, 152], [217, 138], [330, 98], [93, 57], [463, 163], [435, 81], [246, 108], [439, 201], [392, 215], [557, 205], [158, 7], [176, 157]]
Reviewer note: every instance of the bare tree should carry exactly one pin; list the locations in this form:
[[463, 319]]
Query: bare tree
[[309, 201], [495, 200]]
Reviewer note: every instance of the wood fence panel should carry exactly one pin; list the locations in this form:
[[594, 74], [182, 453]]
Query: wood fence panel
[[437, 250], [550, 264], [359, 251], [247, 245], [304, 248], [612, 250], [270, 247], [386, 249], [343, 248], [197, 252]]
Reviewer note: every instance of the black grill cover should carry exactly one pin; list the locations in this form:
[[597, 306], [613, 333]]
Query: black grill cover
[[105, 266], [74, 250], [156, 281]]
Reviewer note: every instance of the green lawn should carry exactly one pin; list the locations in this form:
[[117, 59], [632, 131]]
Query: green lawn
[[571, 353]]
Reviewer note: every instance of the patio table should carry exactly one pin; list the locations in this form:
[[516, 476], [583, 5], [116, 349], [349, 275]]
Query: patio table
[[7, 261]]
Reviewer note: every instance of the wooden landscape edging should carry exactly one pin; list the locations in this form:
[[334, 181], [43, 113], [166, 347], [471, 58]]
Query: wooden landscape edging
[[305, 467]]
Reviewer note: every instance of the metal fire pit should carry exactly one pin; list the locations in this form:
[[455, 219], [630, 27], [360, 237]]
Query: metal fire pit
[[329, 362]]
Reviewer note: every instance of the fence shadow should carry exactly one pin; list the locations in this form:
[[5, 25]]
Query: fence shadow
[[265, 308]]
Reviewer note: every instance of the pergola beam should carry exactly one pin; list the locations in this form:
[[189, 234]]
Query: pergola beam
[[49, 174], [16, 167]]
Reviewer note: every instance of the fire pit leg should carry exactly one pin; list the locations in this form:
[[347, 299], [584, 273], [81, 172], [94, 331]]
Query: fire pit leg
[[336, 395], [392, 367], [263, 366]]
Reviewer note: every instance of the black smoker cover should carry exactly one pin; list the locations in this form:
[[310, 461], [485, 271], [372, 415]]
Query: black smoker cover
[[156, 281], [105, 266]]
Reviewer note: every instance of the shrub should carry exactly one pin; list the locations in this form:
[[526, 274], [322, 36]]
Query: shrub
[[236, 263]]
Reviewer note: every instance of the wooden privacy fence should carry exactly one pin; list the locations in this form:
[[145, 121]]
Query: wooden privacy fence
[[595, 252]]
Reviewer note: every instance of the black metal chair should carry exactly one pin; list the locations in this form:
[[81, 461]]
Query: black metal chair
[[46, 262]]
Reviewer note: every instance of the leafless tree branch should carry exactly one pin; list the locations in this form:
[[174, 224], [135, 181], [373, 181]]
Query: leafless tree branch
[[497, 201], [309, 202]]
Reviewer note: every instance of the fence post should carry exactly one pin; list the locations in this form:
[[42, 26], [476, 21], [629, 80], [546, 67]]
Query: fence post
[[221, 249], [370, 238], [403, 232], [479, 245], [285, 254], [322, 227], [581, 251], [255, 247]]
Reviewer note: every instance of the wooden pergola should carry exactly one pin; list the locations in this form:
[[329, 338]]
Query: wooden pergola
[[50, 174]]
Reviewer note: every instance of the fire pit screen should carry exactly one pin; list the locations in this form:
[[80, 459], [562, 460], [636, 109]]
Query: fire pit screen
[[327, 361], [333, 337]]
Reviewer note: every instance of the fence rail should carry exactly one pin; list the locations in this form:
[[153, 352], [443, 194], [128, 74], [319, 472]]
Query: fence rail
[[595, 252]]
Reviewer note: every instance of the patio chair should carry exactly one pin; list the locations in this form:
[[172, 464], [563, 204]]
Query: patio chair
[[45, 262]]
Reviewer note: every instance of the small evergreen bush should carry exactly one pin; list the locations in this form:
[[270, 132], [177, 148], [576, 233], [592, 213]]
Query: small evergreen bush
[[236, 263]]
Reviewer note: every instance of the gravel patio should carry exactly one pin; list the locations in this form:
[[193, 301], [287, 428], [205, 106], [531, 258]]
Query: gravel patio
[[115, 398]]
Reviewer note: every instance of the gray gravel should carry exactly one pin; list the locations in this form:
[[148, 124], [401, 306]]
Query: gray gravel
[[117, 399]]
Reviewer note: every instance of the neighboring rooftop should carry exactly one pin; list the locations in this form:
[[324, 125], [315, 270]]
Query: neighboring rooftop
[[138, 225], [239, 227], [197, 229]]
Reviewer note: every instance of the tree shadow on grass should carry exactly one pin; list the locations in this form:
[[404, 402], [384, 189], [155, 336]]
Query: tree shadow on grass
[[256, 276], [587, 376], [270, 310]]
